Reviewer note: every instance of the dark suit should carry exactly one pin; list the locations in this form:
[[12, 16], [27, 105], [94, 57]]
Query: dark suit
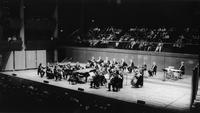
[[182, 68], [153, 70]]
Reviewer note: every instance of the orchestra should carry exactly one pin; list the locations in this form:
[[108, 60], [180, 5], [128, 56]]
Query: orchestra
[[99, 72]]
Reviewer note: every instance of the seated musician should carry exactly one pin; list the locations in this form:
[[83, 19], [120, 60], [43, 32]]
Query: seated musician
[[115, 81], [123, 64], [121, 78], [153, 70], [106, 64], [58, 72], [40, 70], [131, 66], [182, 68], [77, 66], [65, 71], [137, 80], [92, 62], [114, 62], [99, 61], [87, 65], [94, 83], [49, 72]]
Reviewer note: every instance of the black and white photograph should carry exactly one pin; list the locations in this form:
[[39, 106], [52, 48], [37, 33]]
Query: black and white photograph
[[99, 56]]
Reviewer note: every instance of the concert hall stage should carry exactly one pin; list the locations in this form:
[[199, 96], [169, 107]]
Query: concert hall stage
[[173, 95]]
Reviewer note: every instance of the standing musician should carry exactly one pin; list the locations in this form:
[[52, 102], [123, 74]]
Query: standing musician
[[131, 66], [153, 70], [182, 68], [40, 70]]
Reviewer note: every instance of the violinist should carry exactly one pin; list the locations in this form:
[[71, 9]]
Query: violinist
[[91, 62], [49, 72], [153, 70], [123, 64], [94, 83], [182, 68], [99, 61], [131, 66], [106, 64]]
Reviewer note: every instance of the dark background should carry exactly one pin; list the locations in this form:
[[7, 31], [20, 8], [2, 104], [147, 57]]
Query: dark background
[[75, 14]]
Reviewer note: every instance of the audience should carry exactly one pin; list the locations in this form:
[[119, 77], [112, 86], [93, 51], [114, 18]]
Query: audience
[[141, 38]]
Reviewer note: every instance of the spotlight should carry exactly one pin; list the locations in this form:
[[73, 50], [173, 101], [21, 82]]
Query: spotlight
[[140, 102], [45, 81], [80, 89], [14, 74]]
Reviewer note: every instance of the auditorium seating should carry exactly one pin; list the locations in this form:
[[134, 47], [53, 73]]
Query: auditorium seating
[[28, 96], [174, 39]]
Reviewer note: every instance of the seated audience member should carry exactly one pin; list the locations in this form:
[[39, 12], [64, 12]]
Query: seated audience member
[[153, 70], [40, 70], [182, 68]]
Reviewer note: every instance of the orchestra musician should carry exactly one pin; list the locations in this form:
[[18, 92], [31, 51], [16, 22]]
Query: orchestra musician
[[99, 60], [91, 63], [131, 66], [49, 72], [153, 70], [57, 72], [115, 81], [137, 80], [40, 70], [106, 64], [114, 62], [123, 64], [182, 68], [94, 83]]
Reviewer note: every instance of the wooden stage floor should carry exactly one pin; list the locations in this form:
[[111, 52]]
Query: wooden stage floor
[[155, 92]]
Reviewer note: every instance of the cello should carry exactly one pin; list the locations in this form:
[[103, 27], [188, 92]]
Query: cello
[[135, 79]]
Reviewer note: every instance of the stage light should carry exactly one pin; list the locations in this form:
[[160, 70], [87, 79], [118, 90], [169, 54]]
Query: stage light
[[80, 89], [45, 81], [14, 74], [140, 102]]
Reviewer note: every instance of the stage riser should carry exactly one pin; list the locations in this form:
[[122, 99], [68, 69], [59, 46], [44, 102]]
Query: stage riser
[[19, 60], [162, 59]]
